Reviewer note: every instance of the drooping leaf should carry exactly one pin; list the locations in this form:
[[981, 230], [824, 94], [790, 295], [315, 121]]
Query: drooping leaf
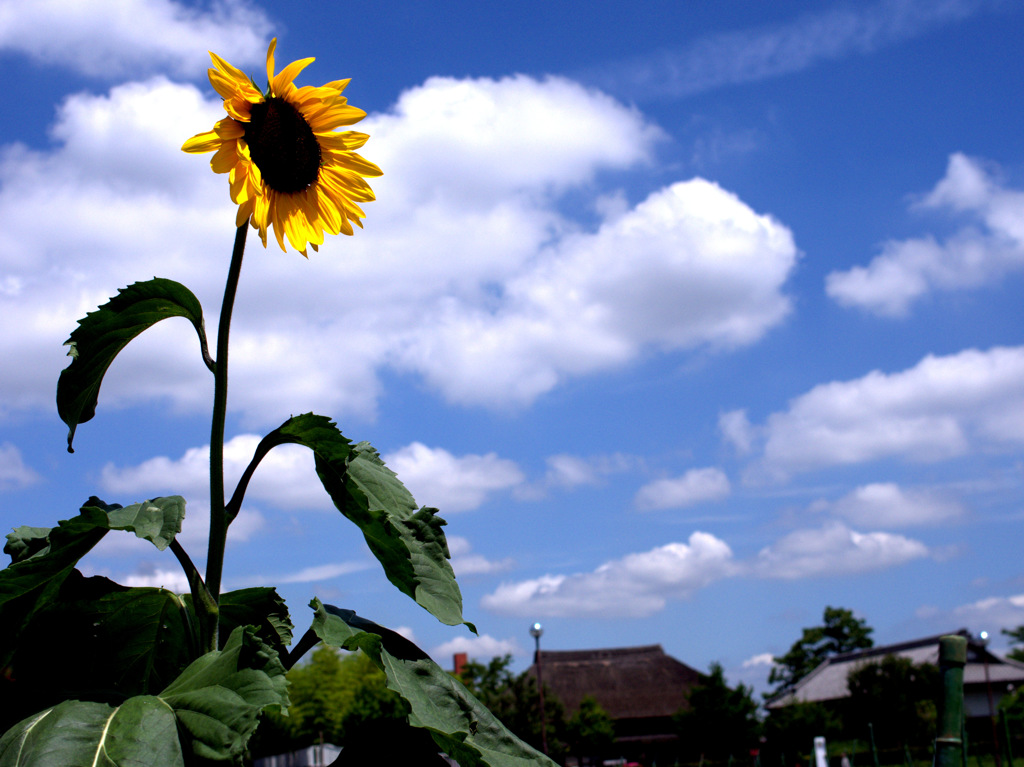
[[41, 563], [264, 609], [408, 542], [141, 731], [219, 697], [460, 725], [102, 334], [210, 710]]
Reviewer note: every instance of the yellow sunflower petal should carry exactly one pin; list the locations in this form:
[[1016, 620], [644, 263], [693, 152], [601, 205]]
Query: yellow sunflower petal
[[346, 141], [335, 117], [270, 61], [282, 83], [226, 157], [203, 142], [352, 162]]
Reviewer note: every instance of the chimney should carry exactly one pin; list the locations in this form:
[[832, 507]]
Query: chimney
[[460, 662]]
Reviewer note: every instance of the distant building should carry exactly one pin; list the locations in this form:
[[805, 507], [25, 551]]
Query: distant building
[[639, 687], [985, 674]]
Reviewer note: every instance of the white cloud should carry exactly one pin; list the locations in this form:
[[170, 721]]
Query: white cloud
[[172, 580], [834, 549], [886, 504], [703, 269], [437, 478], [481, 648], [286, 477], [324, 572], [908, 270], [737, 430], [465, 562], [115, 38], [695, 486], [764, 659], [14, 472], [635, 586], [778, 49], [940, 408], [521, 300]]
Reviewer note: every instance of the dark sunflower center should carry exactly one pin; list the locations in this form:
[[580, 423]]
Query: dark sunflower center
[[283, 146]]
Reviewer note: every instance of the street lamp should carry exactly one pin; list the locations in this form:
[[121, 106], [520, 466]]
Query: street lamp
[[535, 631], [983, 641]]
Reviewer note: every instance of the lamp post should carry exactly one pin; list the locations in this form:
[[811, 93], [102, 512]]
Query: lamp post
[[535, 631], [983, 641]]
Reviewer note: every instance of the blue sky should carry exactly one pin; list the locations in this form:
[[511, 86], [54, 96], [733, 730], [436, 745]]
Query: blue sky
[[691, 320]]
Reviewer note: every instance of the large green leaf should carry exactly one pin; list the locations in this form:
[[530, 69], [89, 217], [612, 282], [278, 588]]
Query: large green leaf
[[102, 334], [219, 697], [210, 710], [141, 731], [408, 542], [41, 563], [459, 723], [127, 642]]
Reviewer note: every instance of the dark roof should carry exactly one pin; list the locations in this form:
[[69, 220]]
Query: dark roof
[[628, 682], [828, 680]]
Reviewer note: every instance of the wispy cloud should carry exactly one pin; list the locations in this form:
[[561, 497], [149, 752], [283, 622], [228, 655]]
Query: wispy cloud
[[751, 55]]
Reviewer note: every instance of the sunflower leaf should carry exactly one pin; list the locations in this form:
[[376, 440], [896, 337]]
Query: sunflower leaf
[[408, 542], [102, 334], [44, 559], [460, 725], [210, 710], [142, 730], [136, 640]]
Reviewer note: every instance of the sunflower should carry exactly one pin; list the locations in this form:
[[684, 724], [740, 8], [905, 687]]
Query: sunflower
[[287, 165]]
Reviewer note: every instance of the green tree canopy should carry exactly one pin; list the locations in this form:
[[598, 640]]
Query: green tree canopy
[[1016, 638], [515, 700], [841, 632], [720, 720], [897, 697], [590, 730]]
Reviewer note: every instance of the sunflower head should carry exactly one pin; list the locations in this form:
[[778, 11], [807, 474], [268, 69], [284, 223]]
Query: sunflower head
[[289, 168]]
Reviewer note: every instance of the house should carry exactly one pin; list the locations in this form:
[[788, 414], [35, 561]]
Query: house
[[987, 677], [639, 687]]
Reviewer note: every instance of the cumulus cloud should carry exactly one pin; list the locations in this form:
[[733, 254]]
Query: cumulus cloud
[[481, 648], [172, 580], [437, 478], [886, 504], [286, 477], [978, 254], [703, 270], [695, 486], [940, 408], [834, 549], [465, 562], [14, 472], [467, 274], [114, 38], [763, 659], [635, 586], [737, 430]]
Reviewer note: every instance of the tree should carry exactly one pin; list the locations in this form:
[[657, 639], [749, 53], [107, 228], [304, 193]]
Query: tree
[[516, 702], [1016, 637], [897, 697], [720, 720], [790, 730], [590, 730], [840, 633]]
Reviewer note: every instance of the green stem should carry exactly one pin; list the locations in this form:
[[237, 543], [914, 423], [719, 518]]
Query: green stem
[[218, 518]]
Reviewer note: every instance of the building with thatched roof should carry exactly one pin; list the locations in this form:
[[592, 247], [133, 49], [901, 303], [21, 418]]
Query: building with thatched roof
[[987, 677], [639, 687]]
